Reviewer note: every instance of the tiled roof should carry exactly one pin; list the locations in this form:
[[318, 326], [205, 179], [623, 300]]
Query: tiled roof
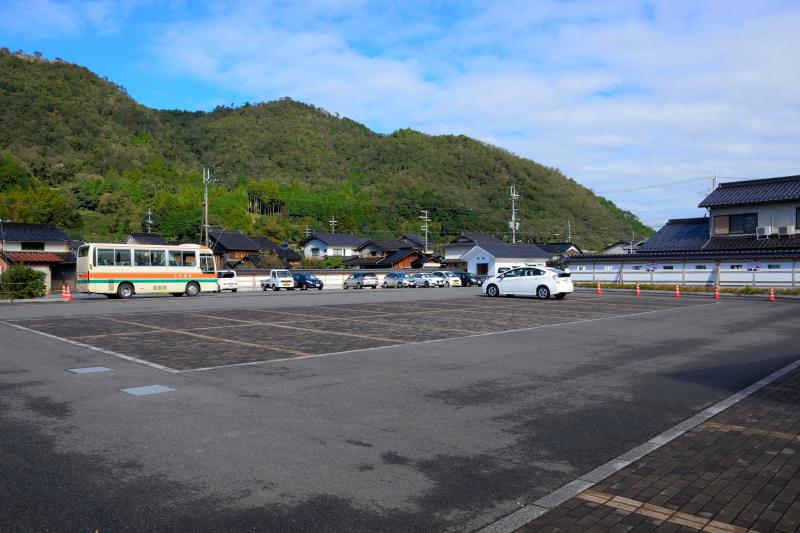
[[232, 240], [557, 247], [414, 239], [418, 263], [397, 256], [751, 243], [476, 238], [515, 251], [678, 234], [754, 191], [388, 245], [23, 232], [337, 239], [264, 243], [40, 257], [147, 238]]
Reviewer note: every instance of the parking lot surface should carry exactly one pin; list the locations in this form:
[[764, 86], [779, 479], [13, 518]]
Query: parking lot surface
[[205, 340], [369, 411]]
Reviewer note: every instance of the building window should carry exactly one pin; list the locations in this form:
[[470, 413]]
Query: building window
[[315, 252], [700, 267], [581, 268], [773, 267], [33, 246], [638, 267], [736, 267], [338, 251], [743, 224], [668, 267], [608, 268]]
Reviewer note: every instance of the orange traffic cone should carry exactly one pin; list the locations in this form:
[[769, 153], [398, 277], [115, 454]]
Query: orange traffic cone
[[677, 291], [716, 292], [65, 295], [771, 295], [637, 292], [598, 290]]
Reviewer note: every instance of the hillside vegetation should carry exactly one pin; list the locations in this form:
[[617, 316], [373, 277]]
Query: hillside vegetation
[[75, 149]]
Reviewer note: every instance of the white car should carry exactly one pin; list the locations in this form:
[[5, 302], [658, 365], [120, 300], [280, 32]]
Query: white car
[[227, 281], [530, 281], [450, 279], [277, 280]]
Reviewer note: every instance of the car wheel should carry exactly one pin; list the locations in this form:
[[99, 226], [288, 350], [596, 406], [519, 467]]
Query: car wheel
[[358, 285], [374, 286], [543, 293], [561, 295], [344, 286], [385, 285], [492, 290], [263, 288], [276, 288], [125, 291], [234, 290], [192, 289], [446, 283], [319, 288], [427, 285]]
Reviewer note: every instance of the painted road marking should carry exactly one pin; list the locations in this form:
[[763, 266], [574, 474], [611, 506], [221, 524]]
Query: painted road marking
[[148, 389], [207, 337], [89, 370]]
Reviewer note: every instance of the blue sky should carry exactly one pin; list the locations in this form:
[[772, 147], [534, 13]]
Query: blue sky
[[639, 101]]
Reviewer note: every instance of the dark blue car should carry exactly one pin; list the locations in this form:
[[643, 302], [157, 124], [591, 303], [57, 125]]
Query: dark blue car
[[307, 281]]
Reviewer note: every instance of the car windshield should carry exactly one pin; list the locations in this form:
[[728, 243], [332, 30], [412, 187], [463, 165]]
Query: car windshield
[[283, 274]]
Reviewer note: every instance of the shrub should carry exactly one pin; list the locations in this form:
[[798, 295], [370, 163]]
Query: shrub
[[20, 282]]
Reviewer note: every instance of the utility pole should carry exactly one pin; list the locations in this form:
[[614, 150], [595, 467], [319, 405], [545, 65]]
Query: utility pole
[[307, 232], [206, 180], [149, 220], [333, 223], [425, 220], [569, 231], [630, 250], [513, 224]]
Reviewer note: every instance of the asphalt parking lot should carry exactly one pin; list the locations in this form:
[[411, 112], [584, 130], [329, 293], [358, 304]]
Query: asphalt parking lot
[[370, 411], [181, 341]]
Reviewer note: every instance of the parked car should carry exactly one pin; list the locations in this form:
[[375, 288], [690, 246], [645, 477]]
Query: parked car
[[468, 279], [304, 282], [530, 281], [450, 279], [277, 280], [227, 281], [397, 280], [425, 279], [359, 280]]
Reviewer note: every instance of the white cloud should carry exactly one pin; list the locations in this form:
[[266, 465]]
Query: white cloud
[[50, 19]]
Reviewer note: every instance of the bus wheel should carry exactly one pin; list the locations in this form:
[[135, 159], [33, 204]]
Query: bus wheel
[[192, 289], [125, 290]]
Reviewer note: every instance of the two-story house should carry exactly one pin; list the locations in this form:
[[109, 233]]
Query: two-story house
[[750, 237], [321, 245], [42, 247], [397, 253], [231, 248]]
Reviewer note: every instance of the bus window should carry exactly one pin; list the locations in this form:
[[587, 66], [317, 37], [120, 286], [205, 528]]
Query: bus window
[[207, 263], [105, 257], [141, 257], [189, 259], [174, 258], [157, 258], [83, 251], [122, 257]]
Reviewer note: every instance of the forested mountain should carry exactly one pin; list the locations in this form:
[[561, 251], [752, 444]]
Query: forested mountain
[[75, 149]]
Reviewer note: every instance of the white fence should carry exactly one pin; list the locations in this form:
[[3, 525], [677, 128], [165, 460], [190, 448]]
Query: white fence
[[331, 279], [734, 273]]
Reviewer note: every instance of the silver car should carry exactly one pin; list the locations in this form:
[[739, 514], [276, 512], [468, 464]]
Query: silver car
[[426, 280], [359, 280], [397, 280]]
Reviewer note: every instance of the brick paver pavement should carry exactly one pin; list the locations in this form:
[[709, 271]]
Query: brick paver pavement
[[736, 472]]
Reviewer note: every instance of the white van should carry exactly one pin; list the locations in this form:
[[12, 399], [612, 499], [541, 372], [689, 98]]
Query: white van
[[227, 281]]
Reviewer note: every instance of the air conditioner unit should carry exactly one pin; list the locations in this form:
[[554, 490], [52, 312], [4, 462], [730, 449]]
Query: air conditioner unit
[[785, 231], [763, 232]]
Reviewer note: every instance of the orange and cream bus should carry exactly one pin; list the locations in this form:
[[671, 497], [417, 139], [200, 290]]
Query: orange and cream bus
[[122, 270]]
